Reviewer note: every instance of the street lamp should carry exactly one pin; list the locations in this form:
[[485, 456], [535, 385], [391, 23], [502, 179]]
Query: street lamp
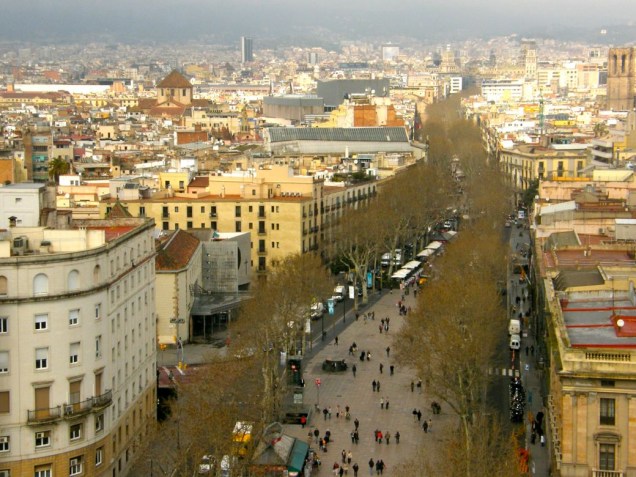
[[178, 321]]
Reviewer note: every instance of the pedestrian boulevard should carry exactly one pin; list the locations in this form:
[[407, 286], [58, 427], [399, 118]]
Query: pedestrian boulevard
[[342, 389]]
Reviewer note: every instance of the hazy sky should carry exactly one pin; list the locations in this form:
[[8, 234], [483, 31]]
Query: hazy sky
[[268, 19]]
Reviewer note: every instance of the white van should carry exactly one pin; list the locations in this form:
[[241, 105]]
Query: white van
[[514, 328], [339, 293], [515, 342]]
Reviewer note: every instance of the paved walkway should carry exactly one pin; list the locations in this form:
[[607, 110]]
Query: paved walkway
[[342, 389]]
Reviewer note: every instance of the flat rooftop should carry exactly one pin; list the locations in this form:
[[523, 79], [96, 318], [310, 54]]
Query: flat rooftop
[[592, 323]]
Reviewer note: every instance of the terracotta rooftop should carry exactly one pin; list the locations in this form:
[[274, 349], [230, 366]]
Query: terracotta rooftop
[[201, 181], [174, 80], [176, 252]]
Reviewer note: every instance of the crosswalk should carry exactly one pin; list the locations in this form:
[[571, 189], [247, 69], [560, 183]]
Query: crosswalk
[[506, 372]]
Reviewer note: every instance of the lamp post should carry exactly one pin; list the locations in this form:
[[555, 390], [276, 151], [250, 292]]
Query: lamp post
[[178, 321]]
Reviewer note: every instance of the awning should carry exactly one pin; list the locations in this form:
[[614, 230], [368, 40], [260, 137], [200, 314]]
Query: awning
[[435, 245], [401, 274], [412, 264], [297, 457], [427, 252]]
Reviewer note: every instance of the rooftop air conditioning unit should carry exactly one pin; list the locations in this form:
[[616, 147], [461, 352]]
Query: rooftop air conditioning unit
[[20, 245]]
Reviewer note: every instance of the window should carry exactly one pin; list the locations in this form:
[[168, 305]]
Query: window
[[213, 225], [74, 353], [41, 322], [75, 432], [40, 284], [41, 358], [607, 411], [99, 423], [98, 346], [3, 286], [4, 402], [213, 211], [249, 209], [237, 211], [73, 317], [43, 439], [189, 225], [75, 466], [4, 362], [99, 456], [4, 444], [4, 324], [43, 472], [606, 456], [73, 280], [189, 211], [237, 226], [176, 209]]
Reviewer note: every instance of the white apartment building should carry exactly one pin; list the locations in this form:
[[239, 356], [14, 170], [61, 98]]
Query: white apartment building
[[77, 347], [500, 90], [20, 204]]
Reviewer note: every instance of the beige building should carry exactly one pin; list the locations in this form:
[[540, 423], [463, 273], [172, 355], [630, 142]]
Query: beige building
[[283, 212], [77, 347], [592, 335], [621, 79]]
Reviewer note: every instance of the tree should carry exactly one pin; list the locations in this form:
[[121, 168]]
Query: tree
[[58, 167], [274, 319]]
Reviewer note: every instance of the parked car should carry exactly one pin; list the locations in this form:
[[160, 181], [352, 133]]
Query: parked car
[[316, 310]]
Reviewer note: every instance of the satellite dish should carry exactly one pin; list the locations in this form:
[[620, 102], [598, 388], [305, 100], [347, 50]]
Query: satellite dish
[[620, 322]]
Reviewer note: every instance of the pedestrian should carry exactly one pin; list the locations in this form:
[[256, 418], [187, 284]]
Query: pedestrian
[[325, 412], [430, 424], [387, 436], [425, 426], [414, 414], [388, 350], [329, 412], [336, 341], [412, 386], [356, 423], [382, 321], [353, 437], [349, 457], [381, 368], [380, 328], [380, 437], [338, 411], [419, 415], [355, 469], [347, 408], [371, 466], [368, 356], [343, 454], [344, 469], [335, 468], [376, 433], [386, 403], [378, 386], [397, 437], [354, 369], [419, 386], [392, 369], [357, 315], [303, 421], [317, 435], [382, 466], [374, 385], [381, 403], [356, 436], [542, 440]]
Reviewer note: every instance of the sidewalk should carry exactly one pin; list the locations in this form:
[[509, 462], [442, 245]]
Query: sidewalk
[[342, 389], [531, 375]]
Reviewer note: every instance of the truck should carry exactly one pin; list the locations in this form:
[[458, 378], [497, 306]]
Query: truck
[[514, 327]]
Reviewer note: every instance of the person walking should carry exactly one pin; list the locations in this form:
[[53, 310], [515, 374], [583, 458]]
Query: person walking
[[392, 369], [329, 412], [425, 426], [303, 421], [336, 341], [419, 415], [381, 403], [374, 385], [371, 466], [355, 468], [380, 437], [430, 424], [356, 423], [388, 350], [412, 386], [387, 436], [325, 411], [397, 437], [349, 457], [378, 385], [381, 368], [414, 415], [317, 435], [353, 370], [386, 403], [343, 454]]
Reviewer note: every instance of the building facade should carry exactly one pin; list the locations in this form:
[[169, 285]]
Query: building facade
[[77, 347], [621, 79]]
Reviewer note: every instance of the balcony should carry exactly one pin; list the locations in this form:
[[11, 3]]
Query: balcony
[[212, 215], [262, 251], [262, 232], [607, 473], [45, 415], [78, 408], [103, 400], [304, 231], [165, 215], [261, 215]]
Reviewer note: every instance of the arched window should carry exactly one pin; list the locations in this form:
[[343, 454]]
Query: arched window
[[97, 274], [40, 284], [73, 282], [4, 286]]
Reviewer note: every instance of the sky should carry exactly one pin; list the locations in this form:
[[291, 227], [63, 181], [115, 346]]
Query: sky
[[304, 20]]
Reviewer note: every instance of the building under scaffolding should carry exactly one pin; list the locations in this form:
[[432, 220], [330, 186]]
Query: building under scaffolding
[[225, 276]]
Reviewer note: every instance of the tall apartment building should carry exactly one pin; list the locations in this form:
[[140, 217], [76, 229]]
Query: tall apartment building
[[77, 347], [284, 213], [247, 53], [621, 79]]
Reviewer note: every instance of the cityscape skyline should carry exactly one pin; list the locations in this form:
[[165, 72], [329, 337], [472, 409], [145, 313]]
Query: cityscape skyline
[[303, 22]]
